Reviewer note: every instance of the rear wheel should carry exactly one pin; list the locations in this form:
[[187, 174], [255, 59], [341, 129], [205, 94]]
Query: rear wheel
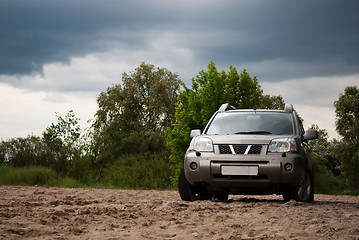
[[204, 195], [220, 197], [287, 195]]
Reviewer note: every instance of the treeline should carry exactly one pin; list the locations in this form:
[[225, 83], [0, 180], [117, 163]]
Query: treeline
[[337, 161], [140, 133]]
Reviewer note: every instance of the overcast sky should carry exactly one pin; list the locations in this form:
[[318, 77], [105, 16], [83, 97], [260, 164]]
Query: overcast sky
[[57, 56]]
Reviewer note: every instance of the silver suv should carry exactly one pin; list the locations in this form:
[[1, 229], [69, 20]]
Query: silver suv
[[249, 152]]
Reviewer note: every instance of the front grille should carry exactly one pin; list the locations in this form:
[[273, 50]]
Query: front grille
[[240, 149], [255, 149], [225, 149]]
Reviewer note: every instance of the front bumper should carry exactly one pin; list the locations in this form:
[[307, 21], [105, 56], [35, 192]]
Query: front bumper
[[270, 173]]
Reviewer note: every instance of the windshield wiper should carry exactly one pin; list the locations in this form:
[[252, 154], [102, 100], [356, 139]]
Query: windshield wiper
[[255, 132]]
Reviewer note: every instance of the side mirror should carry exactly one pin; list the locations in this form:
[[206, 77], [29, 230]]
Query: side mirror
[[310, 134], [195, 132]]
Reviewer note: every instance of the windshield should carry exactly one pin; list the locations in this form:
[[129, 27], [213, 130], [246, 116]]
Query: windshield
[[227, 123]]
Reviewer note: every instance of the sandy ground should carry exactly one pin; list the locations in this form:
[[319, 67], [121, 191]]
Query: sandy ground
[[60, 213]]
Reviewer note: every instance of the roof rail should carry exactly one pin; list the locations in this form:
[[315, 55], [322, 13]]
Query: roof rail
[[225, 107], [289, 108]]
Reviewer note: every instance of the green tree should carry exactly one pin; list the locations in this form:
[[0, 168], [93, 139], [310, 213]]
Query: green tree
[[347, 113], [347, 125], [58, 148], [326, 149], [133, 118], [63, 142], [21, 152], [272, 102], [196, 105]]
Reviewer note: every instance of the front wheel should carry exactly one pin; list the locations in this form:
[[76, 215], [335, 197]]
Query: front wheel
[[185, 189], [304, 191]]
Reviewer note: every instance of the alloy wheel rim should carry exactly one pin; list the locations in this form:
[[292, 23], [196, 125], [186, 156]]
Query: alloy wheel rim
[[304, 187]]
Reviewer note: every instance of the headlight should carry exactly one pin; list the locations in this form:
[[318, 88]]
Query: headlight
[[282, 145], [203, 144]]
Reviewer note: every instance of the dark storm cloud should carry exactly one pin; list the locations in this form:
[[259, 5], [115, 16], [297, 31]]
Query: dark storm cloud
[[319, 37], [37, 32]]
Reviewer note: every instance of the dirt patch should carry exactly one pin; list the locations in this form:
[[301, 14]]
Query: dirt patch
[[60, 213]]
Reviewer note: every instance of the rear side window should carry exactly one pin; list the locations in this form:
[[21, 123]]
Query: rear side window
[[228, 123]]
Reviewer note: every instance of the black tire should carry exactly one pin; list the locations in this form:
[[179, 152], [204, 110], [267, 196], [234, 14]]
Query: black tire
[[304, 191], [185, 189], [287, 195], [220, 197], [204, 196]]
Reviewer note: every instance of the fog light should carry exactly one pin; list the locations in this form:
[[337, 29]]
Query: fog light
[[288, 167], [193, 165]]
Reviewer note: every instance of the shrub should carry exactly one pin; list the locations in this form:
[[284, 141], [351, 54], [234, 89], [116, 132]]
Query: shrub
[[325, 181], [145, 171], [69, 183], [25, 176], [81, 170]]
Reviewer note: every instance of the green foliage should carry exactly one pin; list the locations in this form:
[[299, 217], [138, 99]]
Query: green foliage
[[347, 114], [129, 126], [82, 170], [65, 182], [20, 152], [66, 131], [25, 176], [63, 142], [56, 149], [272, 102], [60, 148], [145, 171], [210, 89], [132, 118], [348, 155], [34, 175], [325, 148], [325, 181], [347, 125]]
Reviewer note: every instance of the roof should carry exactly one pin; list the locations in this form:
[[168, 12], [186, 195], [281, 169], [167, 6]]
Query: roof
[[227, 107]]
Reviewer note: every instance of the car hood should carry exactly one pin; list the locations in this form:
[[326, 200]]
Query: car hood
[[244, 139]]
